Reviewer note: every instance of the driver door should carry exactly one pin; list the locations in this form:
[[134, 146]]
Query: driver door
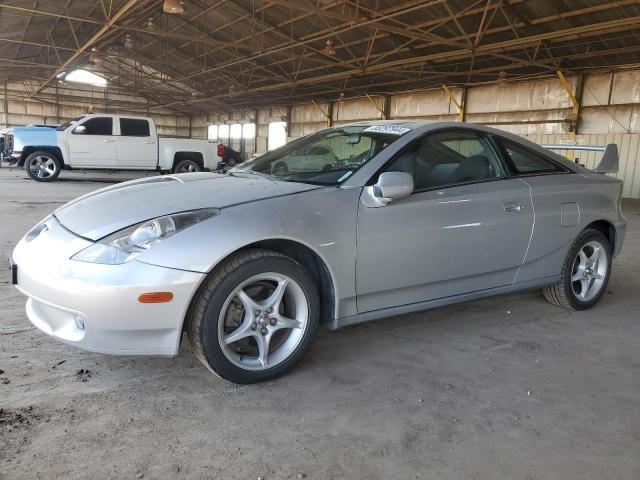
[[465, 228], [95, 145]]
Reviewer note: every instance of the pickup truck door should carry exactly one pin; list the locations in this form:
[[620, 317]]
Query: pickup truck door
[[94, 146], [137, 144]]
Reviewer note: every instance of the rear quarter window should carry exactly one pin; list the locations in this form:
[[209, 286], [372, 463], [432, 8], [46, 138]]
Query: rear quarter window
[[526, 161], [132, 127]]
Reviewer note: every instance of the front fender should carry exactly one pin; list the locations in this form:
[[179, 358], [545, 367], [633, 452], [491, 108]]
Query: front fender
[[323, 220], [25, 137]]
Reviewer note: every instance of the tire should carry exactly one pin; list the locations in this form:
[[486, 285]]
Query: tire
[[187, 166], [230, 339], [42, 166], [583, 279]]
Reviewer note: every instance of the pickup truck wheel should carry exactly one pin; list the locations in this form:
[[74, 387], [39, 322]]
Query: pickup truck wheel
[[255, 317], [42, 166], [187, 166]]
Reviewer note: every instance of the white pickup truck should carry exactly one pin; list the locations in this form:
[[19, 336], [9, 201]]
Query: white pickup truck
[[106, 142]]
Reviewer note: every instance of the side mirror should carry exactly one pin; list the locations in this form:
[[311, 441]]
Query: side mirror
[[390, 186], [81, 129]]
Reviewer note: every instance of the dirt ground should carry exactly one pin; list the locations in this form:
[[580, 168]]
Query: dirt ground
[[509, 387]]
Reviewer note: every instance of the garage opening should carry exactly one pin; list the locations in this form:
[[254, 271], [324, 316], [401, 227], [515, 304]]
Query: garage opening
[[277, 135]]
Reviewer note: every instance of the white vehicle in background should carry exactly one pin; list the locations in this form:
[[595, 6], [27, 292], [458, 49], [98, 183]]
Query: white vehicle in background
[[106, 142]]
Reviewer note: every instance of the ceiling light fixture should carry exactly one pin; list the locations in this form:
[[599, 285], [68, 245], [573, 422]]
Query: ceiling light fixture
[[173, 6], [328, 48], [82, 76], [93, 56]]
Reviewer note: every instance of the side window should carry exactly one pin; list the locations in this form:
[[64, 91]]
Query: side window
[[99, 126], [448, 158], [526, 161], [132, 127]]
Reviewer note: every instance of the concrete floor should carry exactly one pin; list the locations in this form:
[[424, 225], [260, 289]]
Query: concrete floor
[[508, 387]]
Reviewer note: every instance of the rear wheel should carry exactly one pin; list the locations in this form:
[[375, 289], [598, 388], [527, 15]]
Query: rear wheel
[[585, 273], [255, 317], [187, 166], [42, 166]]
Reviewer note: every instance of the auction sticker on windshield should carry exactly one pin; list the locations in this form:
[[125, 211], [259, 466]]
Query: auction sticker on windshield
[[392, 129]]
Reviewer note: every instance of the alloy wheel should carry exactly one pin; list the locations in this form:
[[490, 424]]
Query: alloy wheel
[[263, 321], [589, 271], [42, 167]]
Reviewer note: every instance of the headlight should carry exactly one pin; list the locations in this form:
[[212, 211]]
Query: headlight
[[124, 245]]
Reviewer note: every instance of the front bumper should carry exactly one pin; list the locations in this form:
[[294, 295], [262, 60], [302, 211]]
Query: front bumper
[[95, 307], [11, 158]]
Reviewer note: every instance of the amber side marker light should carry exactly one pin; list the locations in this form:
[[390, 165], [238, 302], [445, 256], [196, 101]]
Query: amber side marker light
[[155, 297]]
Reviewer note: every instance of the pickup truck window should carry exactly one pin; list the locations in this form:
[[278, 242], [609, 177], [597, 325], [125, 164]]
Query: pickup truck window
[[99, 126], [64, 126], [132, 127]]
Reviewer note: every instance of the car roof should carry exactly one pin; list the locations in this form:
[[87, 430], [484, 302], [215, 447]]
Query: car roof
[[399, 123]]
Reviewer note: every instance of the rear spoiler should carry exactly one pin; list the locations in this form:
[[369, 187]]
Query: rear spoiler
[[609, 162]]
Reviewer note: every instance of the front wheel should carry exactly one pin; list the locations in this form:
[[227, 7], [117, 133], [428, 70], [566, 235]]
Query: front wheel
[[42, 166], [585, 273], [255, 317]]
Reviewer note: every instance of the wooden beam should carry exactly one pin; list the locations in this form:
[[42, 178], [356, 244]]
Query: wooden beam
[[375, 104], [99, 33], [437, 22], [488, 49], [575, 98], [324, 114], [36, 44], [567, 87], [33, 11], [458, 105]]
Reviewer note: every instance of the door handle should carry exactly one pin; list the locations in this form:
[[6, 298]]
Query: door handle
[[513, 207], [149, 143], [109, 140]]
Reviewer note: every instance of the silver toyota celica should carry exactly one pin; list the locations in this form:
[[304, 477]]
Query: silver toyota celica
[[353, 223]]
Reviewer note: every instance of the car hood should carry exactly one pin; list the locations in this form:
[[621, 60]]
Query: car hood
[[100, 213]]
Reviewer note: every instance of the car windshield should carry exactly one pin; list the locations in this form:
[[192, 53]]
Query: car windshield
[[328, 157], [66, 125]]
